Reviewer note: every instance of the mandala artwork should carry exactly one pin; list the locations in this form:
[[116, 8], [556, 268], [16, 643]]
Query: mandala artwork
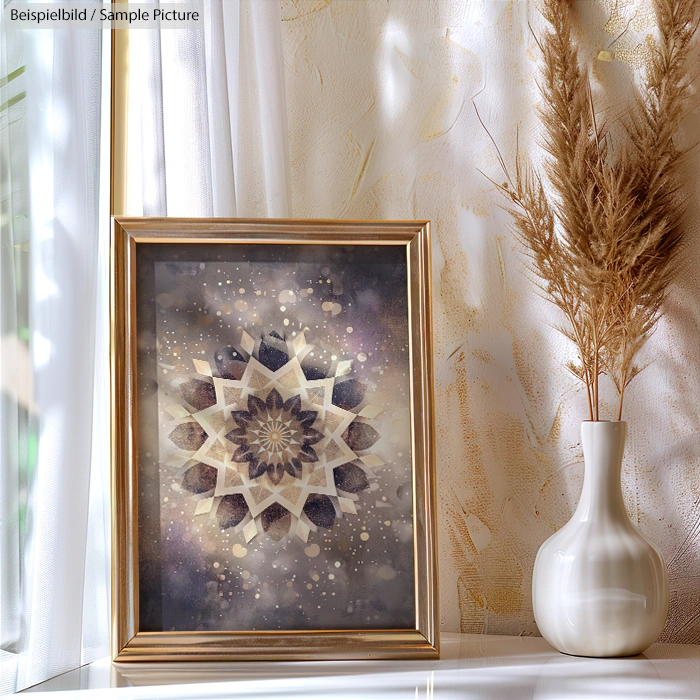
[[273, 445], [275, 465]]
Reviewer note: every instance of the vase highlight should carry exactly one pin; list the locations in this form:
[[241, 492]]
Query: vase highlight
[[599, 586]]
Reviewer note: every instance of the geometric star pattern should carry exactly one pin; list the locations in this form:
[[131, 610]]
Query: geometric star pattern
[[270, 445]]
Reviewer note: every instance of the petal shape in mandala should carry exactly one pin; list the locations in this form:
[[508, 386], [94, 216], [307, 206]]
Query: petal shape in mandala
[[243, 418], [238, 436], [360, 436], [200, 478], [292, 405], [198, 394], [307, 418], [348, 394], [242, 454], [274, 400], [275, 472], [256, 405], [319, 510], [232, 510], [276, 521], [316, 367], [290, 469], [308, 454], [189, 436], [350, 478], [255, 469], [271, 513], [312, 436], [280, 528], [313, 373], [273, 352], [230, 364], [298, 468]]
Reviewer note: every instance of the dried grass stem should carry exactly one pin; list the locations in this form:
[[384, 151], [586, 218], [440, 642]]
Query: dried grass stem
[[603, 237]]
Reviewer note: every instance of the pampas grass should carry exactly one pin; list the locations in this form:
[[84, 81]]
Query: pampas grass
[[602, 227]]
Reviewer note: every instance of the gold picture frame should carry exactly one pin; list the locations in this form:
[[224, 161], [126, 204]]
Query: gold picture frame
[[152, 254]]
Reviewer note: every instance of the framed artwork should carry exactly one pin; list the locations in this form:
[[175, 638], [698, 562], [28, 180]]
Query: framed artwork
[[272, 447]]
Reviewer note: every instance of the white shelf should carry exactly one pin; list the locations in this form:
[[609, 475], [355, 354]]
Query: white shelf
[[472, 666]]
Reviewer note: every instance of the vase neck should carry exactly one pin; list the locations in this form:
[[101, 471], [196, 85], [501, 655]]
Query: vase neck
[[603, 448]]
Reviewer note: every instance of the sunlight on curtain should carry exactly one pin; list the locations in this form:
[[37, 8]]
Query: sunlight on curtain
[[54, 469], [208, 116], [17, 408]]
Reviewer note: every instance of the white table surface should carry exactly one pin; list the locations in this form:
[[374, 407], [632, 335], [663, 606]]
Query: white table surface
[[472, 666]]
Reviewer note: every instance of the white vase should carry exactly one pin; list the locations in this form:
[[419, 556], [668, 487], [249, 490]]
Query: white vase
[[600, 587]]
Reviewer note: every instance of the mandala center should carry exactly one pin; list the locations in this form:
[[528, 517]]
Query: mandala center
[[275, 437]]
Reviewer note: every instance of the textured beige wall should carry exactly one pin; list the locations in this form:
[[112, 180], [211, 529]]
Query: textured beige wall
[[382, 125]]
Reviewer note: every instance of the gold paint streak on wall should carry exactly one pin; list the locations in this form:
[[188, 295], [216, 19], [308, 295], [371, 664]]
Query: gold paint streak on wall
[[470, 448], [363, 168], [435, 123], [555, 430], [484, 356], [471, 609], [411, 67], [294, 9], [501, 262], [479, 599], [528, 375], [506, 600], [469, 455], [453, 317]]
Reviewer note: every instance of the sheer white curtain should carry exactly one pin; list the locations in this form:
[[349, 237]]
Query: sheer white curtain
[[208, 116], [17, 409], [54, 473]]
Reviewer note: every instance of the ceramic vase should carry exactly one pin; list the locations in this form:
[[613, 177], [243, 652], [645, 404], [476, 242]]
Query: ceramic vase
[[600, 587]]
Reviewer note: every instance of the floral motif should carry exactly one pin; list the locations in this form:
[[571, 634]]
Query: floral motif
[[272, 441], [275, 436]]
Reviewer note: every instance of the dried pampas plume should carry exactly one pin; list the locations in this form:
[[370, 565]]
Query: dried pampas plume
[[603, 236]]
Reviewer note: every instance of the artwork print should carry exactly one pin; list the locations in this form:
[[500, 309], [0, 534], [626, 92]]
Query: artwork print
[[276, 439]]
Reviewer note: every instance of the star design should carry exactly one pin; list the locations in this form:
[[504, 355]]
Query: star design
[[275, 436], [267, 449]]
